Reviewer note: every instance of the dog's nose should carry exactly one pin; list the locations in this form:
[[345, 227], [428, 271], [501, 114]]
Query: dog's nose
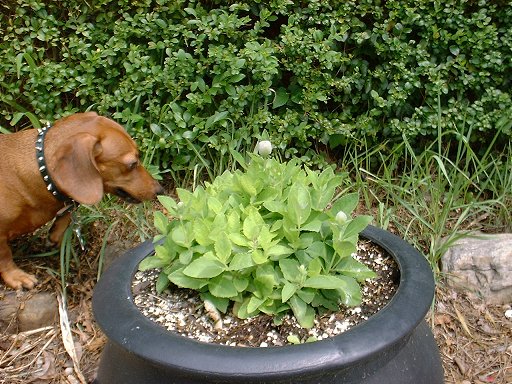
[[159, 190]]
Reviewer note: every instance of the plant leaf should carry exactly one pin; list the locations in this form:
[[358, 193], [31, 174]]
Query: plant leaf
[[275, 206], [307, 294], [351, 292], [162, 282], [315, 223], [299, 203], [252, 224], [219, 302], [247, 185], [346, 203], [161, 258], [238, 239], [288, 291], [265, 238], [345, 248], [215, 205], [169, 204], [254, 303], [215, 118], [240, 310], [238, 157], [293, 339], [315, 267], [353, 268], [356, 225], [264, 285], [325, 282], [281, 98], [222, 286], [186, 256], [258, 256], [290, 270], [304, 314], [204, 267], [223, 247], [278, 251], [180, 236], [241, 261], [241, 283], [201, 230], [161, 222], [320, 249], [177, 277]]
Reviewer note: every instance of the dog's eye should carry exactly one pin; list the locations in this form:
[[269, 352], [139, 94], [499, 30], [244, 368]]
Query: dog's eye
[[133, 165]]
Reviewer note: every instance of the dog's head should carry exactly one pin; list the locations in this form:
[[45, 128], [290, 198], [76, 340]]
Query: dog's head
[[99, 157]]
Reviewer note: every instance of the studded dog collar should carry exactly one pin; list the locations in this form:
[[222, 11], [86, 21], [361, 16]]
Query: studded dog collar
[[43, 169]]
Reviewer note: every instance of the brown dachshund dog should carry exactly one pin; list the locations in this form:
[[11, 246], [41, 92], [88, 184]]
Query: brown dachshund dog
[[79, 159]]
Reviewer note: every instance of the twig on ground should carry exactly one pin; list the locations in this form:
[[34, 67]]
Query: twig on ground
[[67, 339]]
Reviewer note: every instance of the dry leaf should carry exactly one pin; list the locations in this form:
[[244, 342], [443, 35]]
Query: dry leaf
[[462, 321], [442, 318], [462, 367], [67, 339], [487, 378], [46, 371]]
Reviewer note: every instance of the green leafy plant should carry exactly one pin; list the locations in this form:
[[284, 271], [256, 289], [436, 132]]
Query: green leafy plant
[[267, 239], [193, 79]]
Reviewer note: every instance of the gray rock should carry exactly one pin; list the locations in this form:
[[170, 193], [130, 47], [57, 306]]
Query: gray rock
[[39, 311], [481, 263], [24, 311]]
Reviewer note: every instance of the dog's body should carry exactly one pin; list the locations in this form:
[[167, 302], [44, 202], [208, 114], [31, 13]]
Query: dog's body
[[86, 155]]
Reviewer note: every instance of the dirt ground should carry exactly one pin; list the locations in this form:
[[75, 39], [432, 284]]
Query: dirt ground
[[475, 339]]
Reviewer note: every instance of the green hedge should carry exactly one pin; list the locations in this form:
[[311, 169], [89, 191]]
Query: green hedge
[[198, 77]]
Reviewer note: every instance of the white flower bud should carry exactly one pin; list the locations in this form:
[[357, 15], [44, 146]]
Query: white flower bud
[[341, 217], [264, 148]]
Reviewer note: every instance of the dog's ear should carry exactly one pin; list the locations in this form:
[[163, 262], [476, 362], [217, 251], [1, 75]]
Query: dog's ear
[[75, 172]]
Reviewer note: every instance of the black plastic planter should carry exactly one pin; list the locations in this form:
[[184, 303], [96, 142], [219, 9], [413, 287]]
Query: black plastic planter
[[393, 346]]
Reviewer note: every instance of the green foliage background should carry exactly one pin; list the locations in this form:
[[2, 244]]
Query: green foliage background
[[190, 79]]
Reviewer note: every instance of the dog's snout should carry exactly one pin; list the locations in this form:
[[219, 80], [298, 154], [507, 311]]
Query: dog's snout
[[159, 190]]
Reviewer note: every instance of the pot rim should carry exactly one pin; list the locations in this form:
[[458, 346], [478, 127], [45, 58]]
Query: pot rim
[[125, 325]]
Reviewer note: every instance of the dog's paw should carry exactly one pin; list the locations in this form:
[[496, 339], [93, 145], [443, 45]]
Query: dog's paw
[[17, 279], [50, 243]]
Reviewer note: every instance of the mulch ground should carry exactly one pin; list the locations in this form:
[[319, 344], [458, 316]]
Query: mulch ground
[[475, 339]]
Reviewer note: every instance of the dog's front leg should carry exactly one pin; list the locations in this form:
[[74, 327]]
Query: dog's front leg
[[58, 228], [13, 276]]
